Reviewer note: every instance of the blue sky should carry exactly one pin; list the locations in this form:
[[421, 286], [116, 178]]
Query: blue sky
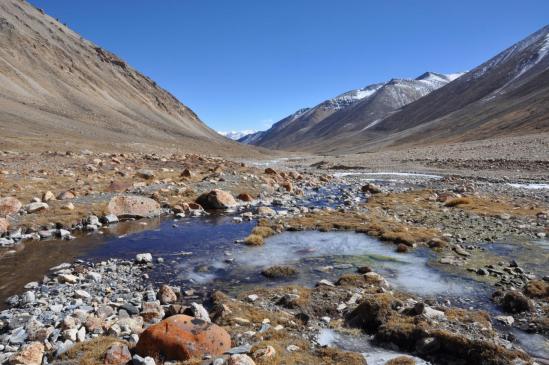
[[244, 64]]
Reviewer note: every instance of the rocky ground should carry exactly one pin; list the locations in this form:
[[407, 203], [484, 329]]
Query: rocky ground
[[107, 312]]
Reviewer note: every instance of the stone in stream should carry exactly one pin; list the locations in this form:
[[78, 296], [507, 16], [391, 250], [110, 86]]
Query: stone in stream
[[182, 337], [9, 206], [133, 206], [143, 258], [216, 199]]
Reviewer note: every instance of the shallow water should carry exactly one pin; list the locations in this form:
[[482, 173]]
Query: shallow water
[[374, 355], [401, 175], [530, 186]]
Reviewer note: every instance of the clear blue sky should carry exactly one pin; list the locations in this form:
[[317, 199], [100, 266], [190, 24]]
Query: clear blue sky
[[243, 64]]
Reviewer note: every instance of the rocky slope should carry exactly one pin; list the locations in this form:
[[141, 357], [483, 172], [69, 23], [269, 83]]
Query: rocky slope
[[56, 86], [352, 111]]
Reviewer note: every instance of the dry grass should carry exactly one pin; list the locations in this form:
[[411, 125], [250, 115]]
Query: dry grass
[[457, 201], [263, 231], [254, 240], [91, 352]]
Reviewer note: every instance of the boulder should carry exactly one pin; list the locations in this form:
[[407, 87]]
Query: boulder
[[30, 354], [9, 206], [36, 207], [182, 337], [167, 295], [186, 173], [47, 196], [216, 199], [266, 211], [117, 354], [245, 197], [133, 206], [270, 171]]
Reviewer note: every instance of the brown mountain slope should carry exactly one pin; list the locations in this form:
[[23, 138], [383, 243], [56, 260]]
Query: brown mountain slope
[[56, 86], [506, 96]]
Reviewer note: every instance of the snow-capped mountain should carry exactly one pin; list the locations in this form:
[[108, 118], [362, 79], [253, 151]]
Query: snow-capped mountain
[[329, 116], [236, 135]]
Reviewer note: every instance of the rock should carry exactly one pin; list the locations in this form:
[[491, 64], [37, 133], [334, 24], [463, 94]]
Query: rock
[[245, 197], [4, 226], [270, 171], [143, 258], [117, 354], [266, 211], [182, 337], [82, 294], [434, 314], [265, 353], [241, 359], [506, 320], [371, 188], [9, 206], [133, 206], [109, 219], [152, 312], [30, 354], [67, 278], [28, 297], [186, 173], [198, 311], [166, 295], [36, 207], [216, 199], [402, 248], [516, 302], [68, 206], [138, 360], [66, 195], [145, 174], [47, 196]]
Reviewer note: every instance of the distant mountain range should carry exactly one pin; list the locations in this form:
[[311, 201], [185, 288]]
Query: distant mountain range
[[507, 95], [236, 135]]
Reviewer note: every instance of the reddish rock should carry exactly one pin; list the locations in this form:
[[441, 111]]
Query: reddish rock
[[182, 337], [4, 225], [117, 354], [9, 206], [216, 199], [245, 197], [402, 248], [133, 206], [30, 354]]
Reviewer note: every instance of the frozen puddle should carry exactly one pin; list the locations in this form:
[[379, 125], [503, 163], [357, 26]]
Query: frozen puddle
[[374, 355], [398, 174], [529, 186], [409, 272]]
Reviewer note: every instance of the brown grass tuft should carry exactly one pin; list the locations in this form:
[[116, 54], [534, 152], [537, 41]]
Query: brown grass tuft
[[457, 201], [254, 240], [91, 352]]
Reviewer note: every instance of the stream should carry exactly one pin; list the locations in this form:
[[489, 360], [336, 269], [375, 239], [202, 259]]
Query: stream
[[202, 253]]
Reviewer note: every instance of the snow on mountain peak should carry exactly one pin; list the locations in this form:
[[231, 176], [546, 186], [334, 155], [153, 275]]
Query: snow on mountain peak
[[236, 135]]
